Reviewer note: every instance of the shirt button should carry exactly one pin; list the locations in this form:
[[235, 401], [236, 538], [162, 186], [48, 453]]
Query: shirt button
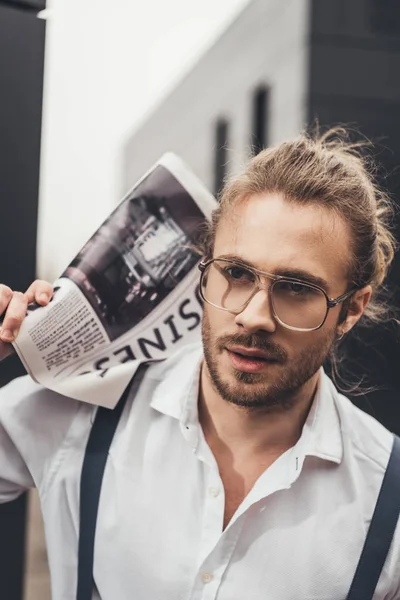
[[206, 577], [213, 491]]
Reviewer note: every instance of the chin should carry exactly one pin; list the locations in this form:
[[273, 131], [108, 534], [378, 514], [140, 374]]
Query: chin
[[246, 386], [259, 379]]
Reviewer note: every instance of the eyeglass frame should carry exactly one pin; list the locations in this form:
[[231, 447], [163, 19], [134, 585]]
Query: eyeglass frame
[[330, 302]]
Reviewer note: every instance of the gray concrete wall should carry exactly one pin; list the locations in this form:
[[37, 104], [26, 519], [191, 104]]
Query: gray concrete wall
[[267, 44]]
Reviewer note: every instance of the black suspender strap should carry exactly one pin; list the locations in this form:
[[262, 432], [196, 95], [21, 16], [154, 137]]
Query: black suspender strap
[[94, 463], [380, 532]]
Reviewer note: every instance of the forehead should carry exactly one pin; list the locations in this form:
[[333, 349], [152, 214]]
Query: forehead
[[276, 235]]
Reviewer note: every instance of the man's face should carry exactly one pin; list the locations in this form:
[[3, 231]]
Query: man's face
[[272, 235]]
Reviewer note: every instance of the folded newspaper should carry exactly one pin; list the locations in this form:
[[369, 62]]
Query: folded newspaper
[[130, 295]]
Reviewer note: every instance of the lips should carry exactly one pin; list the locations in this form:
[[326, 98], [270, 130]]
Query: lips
[[250, 360], [253, 353]]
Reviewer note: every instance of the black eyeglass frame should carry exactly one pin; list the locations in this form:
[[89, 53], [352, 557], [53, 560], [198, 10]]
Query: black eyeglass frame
[[330, 302]]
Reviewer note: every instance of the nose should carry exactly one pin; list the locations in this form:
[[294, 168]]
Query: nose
[[257, 315]]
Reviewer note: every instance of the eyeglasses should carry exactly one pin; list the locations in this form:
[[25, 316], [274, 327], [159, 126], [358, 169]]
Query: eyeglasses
[[296, 305]]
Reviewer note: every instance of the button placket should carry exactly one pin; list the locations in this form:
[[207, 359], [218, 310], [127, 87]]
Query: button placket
[[213, 516], [213, 568]]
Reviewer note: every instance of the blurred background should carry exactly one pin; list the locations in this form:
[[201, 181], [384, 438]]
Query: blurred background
[[92, 93]]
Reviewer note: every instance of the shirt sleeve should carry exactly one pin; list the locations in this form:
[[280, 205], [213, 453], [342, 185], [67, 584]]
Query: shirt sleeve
[[34, 422]]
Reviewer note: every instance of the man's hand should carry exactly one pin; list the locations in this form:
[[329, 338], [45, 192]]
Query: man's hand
[[13, 306]]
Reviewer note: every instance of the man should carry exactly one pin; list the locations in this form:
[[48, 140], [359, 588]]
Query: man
[[238, 471]]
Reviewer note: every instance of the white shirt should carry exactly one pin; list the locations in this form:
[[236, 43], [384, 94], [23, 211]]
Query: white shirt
[[297, 535]]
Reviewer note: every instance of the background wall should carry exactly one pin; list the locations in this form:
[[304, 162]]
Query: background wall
[[106, 65], [267, 45]]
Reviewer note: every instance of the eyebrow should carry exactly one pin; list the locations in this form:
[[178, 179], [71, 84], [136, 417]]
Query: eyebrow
[[291, 273]]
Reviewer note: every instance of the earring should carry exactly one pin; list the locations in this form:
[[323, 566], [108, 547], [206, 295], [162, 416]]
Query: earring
[[340, 336]]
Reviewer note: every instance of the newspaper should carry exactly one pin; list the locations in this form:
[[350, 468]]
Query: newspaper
[[130, 295]]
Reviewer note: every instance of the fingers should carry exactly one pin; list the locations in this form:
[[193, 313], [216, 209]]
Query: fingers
[[14, 316], [5, 297], [40, 291], [16, 304]]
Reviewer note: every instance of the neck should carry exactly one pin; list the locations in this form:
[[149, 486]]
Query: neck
[[258, 430]]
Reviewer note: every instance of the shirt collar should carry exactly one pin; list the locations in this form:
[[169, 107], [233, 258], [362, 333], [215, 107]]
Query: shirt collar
[[322, 435], [176, 395]]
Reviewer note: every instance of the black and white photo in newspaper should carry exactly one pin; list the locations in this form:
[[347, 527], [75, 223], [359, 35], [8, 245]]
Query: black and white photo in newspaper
[[129, 295]]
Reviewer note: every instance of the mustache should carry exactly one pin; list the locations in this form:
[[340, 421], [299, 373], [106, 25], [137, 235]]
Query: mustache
[[253, 340]]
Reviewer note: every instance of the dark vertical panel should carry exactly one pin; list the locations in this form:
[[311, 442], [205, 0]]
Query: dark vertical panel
[[372, 108], [221, 154], [385, 16], [21, 85], [374, 352], [260, 119]]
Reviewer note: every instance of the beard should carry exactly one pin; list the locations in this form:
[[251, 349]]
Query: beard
[[278, 391]]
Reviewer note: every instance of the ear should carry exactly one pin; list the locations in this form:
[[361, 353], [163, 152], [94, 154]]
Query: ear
[[357, 305]]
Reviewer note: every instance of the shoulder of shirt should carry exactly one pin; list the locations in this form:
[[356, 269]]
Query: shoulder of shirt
[[24, 394], [367, 437], [370, 444]]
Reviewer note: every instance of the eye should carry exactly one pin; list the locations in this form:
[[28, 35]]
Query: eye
[[296, 289], [239, 274]]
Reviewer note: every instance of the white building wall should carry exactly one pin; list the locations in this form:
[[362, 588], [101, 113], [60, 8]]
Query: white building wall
[[267, 44], [106, 62]]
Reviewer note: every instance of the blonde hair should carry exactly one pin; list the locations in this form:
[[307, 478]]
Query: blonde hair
[[331, 172]]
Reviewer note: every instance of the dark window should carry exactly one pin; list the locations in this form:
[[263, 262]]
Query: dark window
[[34, 5], [221, 154], [385, 16], [260, 119]]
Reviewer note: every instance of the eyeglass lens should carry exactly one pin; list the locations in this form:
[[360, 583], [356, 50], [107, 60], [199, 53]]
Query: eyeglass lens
[[230, 286]]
